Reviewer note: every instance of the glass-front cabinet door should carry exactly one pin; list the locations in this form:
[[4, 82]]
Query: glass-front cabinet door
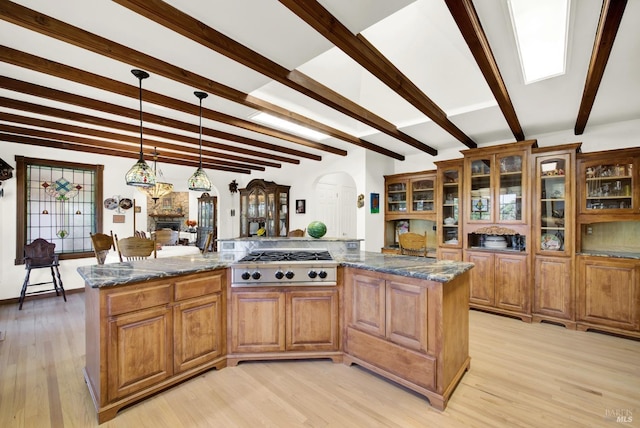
[[397, 197], [450, 180], [423, 195], [608, 186], [510, 190], [553, 194], [283, 210], [480, 195]]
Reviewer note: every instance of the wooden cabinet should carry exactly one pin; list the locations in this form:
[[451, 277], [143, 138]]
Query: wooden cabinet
[[554, 234], [411, 195], [278, 322], [449, 213], [608, 295], [500, 282], [410, 206], [412, 331], [141, 338], [207, 223], [608, 185], [264, 209]]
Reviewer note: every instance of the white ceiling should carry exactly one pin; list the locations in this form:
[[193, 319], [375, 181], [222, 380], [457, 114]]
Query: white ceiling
[[419, 37]]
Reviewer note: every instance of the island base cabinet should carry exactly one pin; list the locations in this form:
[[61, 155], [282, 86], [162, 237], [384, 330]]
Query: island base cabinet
[[144, 337], [284, 324], [412, 331], [553, 295], [608, 295]]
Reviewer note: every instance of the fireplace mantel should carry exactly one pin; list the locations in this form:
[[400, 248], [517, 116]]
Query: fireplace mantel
[[166, 215]]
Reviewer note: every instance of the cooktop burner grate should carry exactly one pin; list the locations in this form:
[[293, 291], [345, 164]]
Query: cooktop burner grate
[[279, 256]]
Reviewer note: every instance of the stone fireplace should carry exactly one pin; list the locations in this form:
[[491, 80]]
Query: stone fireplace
[[170, 212]]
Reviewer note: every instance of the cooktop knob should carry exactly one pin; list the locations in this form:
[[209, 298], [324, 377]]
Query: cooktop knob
[[245, 275], [289, 274], [313, 274], [322, 274], [279, 274], [256, 275]]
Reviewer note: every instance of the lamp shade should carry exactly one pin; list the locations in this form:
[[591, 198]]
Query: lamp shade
[[140, 174], [199, 181], [161, 188]]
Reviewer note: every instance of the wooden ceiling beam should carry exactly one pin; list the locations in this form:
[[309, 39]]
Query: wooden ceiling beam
[[88, 148], [51, 27], [466, 17], [52, 68], [178, 21], [147, 151], [365, 54], [610, 18], [41, 123], [108, 123]]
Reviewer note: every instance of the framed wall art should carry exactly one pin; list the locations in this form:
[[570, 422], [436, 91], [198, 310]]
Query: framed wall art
[[375, 203]]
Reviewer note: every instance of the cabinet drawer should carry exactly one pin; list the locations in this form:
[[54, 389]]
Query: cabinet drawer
[[136, 299], [198, 286], [410, 365]]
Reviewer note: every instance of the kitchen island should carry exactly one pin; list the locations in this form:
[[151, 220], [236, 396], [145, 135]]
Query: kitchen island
[[154, 323]]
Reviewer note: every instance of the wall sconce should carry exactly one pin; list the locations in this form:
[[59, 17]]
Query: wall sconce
[[5, 174]]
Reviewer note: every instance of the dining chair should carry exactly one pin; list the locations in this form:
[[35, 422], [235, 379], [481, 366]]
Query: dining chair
[[166, 237], [41, 254], [102, 243], [135, 248], [413, 244], [297, 233]]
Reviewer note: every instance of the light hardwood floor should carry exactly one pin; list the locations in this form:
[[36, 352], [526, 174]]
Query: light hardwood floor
[[522, 375]]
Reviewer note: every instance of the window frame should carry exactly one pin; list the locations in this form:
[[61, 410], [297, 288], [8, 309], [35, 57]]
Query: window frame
[[22, 163]]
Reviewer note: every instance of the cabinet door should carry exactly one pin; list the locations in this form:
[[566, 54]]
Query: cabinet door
[[423, 194], [553, 290], [406, 315], [511, 203], [257, 321], [449, 215], [481, 278], [607, 186], [450, 254], [312, 320], [608, 293], [479, 182], [554, 216], [139, 350], [512, 282], [397, 194], [368, 304], [197, 332]]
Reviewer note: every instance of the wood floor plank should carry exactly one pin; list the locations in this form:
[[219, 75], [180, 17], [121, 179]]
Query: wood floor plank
[[522, 375]]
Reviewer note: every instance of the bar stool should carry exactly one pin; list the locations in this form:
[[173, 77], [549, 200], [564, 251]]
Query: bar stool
[[37, 255]]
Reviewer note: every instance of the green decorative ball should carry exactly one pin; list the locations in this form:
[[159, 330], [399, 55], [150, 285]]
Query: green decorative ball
[[316, 229]]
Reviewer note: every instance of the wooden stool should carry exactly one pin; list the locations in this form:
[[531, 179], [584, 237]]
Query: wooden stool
[[37, 255]]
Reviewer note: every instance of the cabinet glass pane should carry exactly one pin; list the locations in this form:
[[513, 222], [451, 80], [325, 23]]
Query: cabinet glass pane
[[552, 204], [510, 205], [422, 195], [397, 194], [284, 206], [262, 207], [609, 186], [480, 190], [270, 214], [450, 206]]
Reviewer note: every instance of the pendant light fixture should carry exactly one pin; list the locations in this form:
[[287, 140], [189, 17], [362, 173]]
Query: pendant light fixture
[[140, 174], [161, 188], [199, 180]]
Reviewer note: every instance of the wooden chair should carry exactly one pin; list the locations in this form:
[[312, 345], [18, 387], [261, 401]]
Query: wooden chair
[[135, 248], [413, 244], [297, 233], [40, 254], [101, 245], [140, 234], [167, 237]]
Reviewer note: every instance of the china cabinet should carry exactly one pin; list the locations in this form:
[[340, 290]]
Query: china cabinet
[[207, 208], [554, 234], [410, 195], [449, 213], [264, 209], [608, 185]]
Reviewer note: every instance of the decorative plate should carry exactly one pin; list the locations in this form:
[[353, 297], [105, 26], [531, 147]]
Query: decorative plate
[[111, 203], [126, 203], [550, 242]]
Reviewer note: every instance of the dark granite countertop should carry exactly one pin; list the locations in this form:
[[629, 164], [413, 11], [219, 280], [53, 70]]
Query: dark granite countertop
[[122, 273], [613, 254]]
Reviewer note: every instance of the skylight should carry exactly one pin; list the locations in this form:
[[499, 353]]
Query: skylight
[[540, 28], [267, 119]]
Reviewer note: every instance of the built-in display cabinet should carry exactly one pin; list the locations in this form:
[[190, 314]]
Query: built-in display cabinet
[[449, 213], [207, 208], [264, 209], [554, 234]]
